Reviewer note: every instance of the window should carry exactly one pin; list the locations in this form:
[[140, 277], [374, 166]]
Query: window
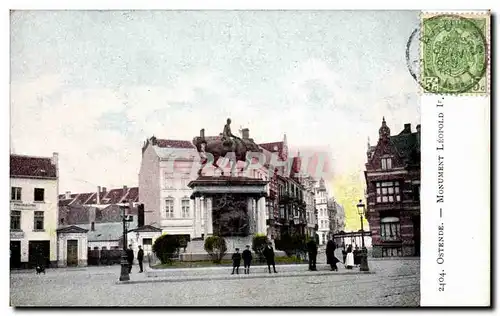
[[38, 224], [147, 241], [39, 195], [184, 182], [389, 228], [15, 194], [386, 163], [61, 221], [15, 220], [388, 192], [185, 208], [169, 208], [169, 180]]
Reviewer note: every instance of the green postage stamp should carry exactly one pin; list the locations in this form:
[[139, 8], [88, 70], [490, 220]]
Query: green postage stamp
[[455, 53]]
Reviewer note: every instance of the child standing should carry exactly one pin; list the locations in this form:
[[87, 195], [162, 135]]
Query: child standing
[[236, 260]]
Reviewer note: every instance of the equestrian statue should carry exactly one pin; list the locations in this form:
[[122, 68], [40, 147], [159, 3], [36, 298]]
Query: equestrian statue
[[221, 146]]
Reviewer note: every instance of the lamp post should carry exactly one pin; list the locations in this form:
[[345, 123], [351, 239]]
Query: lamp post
[[124, 275], [364, 256]]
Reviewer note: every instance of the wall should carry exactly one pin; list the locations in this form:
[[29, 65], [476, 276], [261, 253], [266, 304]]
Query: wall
[[149, 186], [109, 244], [49, 207], [62, 248]]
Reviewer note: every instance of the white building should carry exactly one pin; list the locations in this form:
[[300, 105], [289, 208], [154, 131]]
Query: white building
[[33, 209], [321, 196], [163, 187]]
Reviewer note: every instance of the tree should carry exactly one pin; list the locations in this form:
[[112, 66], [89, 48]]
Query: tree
[[166, 247], [216, 248], [259, 242], [291, 244]]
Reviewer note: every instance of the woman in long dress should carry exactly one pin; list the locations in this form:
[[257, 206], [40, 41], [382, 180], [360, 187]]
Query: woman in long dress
[[349, 260]]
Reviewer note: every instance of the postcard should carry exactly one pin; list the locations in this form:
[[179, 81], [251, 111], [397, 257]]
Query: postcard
[[243, 158]]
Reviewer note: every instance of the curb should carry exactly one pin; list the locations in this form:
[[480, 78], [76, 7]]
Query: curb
[[242, 276]]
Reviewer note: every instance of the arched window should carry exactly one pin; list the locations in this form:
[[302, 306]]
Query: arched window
[[389, 228]]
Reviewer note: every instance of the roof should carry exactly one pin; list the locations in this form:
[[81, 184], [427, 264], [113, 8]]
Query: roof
[[146, 228], [273, 147], [110, 197], [170, 143], [32, 167], [407, 146], [107, 231], [72, 229]]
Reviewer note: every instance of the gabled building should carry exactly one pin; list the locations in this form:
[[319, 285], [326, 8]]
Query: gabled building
[[393, 192], [34, 185]]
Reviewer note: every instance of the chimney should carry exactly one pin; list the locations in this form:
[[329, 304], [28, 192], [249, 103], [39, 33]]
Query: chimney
[[245, 133], [124, 189], [418, 128], [407, 129], [55, 158], [202, 133], [98, 198], [68, 195], [104, 190]]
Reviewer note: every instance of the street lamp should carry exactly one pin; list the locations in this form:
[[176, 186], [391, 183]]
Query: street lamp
[[364, 257], [124, 275]]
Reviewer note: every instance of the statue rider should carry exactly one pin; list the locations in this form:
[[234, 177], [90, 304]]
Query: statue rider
[[227, 135]]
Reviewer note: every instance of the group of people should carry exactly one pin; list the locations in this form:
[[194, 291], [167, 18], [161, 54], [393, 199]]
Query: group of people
[[130, 258], [246, 255], [312, 252]]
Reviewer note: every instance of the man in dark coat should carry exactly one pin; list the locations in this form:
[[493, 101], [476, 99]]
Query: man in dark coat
[[312, 251], [236, 261], [130, 258], [269, 255], [330, 255], [247, 259], [140, 257]]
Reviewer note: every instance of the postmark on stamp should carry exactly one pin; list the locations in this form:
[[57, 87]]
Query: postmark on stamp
[[454, 54]]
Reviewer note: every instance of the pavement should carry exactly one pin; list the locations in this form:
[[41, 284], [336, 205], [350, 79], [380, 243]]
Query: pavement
[[389, 283]]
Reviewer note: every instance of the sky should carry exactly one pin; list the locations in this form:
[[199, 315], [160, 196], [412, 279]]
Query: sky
[[94, 85]]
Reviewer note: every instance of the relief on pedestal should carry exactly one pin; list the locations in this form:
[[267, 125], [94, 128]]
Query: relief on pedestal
[[230, 217]]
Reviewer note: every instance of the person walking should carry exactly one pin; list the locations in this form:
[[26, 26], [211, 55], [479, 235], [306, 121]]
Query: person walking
[[312, 251], [330, 255], [269, 255], [130, 258], [140, 258], [236, 261], [247, 259]]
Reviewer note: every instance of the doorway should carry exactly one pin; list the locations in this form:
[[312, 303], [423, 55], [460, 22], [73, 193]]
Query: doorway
[[36, 249], [71, 253], [15, 254], [416, 234]]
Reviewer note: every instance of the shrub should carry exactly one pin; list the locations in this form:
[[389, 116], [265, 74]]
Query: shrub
[[166, 247], [291, 244], [216, 248], [259, 242]]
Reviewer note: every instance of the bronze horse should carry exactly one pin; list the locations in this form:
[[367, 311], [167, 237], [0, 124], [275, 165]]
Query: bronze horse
[[240, 148]]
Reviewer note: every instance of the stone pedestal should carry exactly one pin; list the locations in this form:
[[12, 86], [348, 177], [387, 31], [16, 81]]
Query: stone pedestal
[[205, 188]]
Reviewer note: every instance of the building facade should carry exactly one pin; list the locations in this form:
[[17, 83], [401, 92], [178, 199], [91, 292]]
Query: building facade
[[321, 197], [33, 210], [393, 192]]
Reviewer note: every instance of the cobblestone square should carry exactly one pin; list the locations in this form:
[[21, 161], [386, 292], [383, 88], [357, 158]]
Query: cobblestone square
[[393, 283]]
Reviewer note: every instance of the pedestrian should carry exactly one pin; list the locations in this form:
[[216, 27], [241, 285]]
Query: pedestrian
[[349, 261], [330, 255], [269, 255], [247, 259], [356, 254], [140, 257], [236, 261], [312, 251], [130, 258]]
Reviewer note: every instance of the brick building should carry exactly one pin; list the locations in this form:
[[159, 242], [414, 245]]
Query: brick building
[[393, 192]]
